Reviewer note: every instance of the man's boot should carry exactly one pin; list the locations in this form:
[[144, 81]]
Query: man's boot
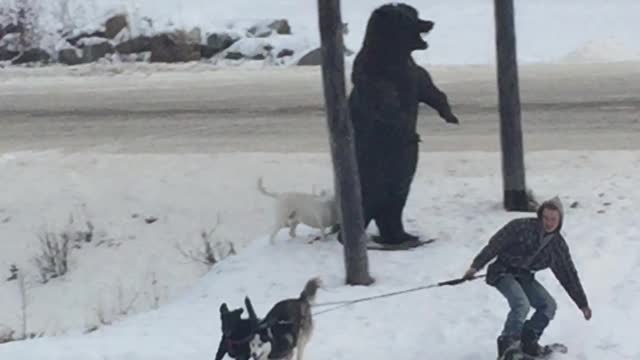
[[531, 332], [504, 342]]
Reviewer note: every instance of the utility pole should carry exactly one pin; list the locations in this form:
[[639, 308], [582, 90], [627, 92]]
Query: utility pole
[[513, 173], [346, 178]]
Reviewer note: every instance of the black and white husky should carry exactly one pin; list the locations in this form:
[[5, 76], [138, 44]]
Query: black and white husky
[[286, 327]]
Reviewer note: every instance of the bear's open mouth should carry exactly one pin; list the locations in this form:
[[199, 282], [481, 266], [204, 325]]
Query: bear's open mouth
[[424, 27]]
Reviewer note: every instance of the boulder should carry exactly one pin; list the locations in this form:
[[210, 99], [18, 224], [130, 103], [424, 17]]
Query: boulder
[[220, 41], [172, 48], [32, 56], [285, 53], [69, 56], [95, 52], [135, 45], [114, 25]]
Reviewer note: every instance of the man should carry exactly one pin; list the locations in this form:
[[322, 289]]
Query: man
[[522, 247]]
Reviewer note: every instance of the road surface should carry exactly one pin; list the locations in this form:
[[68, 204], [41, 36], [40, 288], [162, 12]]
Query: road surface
[[573, 107]]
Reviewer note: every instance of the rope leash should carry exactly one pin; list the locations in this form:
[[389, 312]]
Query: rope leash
[[344, 303]]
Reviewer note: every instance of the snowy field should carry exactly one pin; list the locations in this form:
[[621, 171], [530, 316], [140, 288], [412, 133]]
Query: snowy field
[[455, 198], [150, 155]]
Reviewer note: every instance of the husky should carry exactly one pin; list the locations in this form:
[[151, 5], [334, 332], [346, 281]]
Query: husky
[[288, 326], [294, 208]]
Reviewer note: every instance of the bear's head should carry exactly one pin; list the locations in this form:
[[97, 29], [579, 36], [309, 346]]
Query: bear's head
[[396, 28]]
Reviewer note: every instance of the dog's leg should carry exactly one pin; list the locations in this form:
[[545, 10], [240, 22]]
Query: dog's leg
[[291, 222], [322, 235], [274, 232], [322, 227], [292, 228], [300, 348], [222, 349]]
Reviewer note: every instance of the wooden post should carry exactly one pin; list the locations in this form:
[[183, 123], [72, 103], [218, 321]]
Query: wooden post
[[513, 174], [346, 179]]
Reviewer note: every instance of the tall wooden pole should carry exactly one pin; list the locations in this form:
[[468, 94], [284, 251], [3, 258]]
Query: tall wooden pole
[[347, 181], [513, 173]]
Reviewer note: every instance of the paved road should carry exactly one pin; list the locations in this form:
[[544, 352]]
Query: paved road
[[281, 110]]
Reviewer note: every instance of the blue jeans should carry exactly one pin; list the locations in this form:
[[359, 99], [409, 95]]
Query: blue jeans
[[523, 294]]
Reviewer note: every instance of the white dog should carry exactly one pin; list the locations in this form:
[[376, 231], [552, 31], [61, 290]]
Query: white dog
[[293, 208]]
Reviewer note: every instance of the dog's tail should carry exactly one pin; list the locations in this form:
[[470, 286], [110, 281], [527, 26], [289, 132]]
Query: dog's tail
[[264, 190], [308, 294]]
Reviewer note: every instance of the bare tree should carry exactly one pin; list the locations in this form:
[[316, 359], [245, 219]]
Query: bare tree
[[53, 260], [212, 251]]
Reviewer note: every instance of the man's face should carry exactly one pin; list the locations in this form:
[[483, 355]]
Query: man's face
[[550, 220]]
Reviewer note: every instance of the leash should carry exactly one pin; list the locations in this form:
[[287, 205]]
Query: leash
[[344, 303]]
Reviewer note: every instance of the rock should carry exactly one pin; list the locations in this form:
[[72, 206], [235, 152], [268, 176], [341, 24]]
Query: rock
[[172, 48], [31, 56], [69, 56], [135, 45], [6, 334], [345, 28], [285, 52], [207, 51], [194, 36], [260, 31], [88, 41], [281, 27], [348, 52], [312, 58], [11, 42], [75, 39], [220, 41], [10, 29], [92, 53], [114, 25], [266, 29], [258, 57], [234, 55], [6, 54]]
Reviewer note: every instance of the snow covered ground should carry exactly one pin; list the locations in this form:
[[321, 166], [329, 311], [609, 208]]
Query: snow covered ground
[[456, 197]]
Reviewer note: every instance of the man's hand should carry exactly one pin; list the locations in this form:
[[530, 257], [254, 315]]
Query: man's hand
[[469, 274], [586, 311]]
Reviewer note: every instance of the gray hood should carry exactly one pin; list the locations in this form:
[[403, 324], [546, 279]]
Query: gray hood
[[554, 203]]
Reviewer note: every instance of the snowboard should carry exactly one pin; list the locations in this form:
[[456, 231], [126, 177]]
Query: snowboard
[[372, 244], [515, 353]]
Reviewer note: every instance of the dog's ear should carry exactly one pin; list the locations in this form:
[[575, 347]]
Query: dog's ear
[[252, 312], [224, 309]]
